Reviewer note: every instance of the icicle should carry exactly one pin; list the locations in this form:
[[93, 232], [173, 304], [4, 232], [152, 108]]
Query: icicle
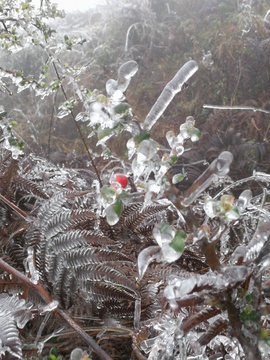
[[137, 313], [171, 89], [146, 256], [219, 168], [29, 264]]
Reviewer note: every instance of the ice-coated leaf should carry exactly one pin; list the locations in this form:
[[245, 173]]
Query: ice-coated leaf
[[177, 178], [146, 256], [171, 89], [118, 207], [178, 242], [116, 88], [113, 212], [146, 150]]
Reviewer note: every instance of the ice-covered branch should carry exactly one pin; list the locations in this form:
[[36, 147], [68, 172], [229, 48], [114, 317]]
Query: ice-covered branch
[[219, 168], [249, 108], [171, 89]]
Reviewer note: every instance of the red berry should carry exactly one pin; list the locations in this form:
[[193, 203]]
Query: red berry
[[121, 179]]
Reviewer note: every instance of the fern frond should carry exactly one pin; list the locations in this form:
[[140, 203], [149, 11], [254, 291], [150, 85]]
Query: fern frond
[[216, 328], [14, 313], [151, 213], [28, 186], [109, 278], [196, 319]]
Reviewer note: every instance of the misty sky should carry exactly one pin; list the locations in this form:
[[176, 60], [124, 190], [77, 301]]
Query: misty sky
[[70, 5]]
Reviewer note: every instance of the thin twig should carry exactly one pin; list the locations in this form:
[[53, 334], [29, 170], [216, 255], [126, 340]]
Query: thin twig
[[77, 126]]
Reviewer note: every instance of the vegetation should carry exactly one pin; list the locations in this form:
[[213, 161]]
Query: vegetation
[[143, 236]]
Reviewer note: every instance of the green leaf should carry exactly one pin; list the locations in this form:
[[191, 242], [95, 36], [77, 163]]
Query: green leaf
[[249, 298], [178, 242], [102, 133], [142, 136], [255, 316], [178, 178], [121, 108], [118, 207]]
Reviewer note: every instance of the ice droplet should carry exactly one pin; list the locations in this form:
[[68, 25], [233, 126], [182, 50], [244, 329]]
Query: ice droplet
[[244, 199], [127, 71], [171, 89], [170, 136], [212, 208], [146, 150]]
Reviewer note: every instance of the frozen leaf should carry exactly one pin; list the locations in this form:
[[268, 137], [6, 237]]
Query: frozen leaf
[[116, 88], [142, 136], [163, 233], [178, 242], [212, 208], [112, 212], [108, 193], [146, 150], [232, 214], [177, 178], [118, 207], [195, 135], [128, 70]]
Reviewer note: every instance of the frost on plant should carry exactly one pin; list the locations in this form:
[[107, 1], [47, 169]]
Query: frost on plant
[[118, 245]]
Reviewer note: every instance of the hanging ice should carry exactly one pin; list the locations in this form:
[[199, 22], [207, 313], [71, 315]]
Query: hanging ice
[[219, 168], [171, 89], [116, 88], [146, 256], [29, 264], [244, 199]]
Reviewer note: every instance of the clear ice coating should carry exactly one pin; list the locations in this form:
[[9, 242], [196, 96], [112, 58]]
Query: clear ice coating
[[171, 89], [29, 264], [146, 256], [50, 307], [219, 168], [146, 150], [116, 88]]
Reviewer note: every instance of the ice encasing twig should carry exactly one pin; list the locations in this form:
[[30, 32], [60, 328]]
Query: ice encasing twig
[[219, 168], [171, 89]]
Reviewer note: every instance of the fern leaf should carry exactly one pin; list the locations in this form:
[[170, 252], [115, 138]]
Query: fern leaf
[[13, 313], [28, 186], [216, 328]]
